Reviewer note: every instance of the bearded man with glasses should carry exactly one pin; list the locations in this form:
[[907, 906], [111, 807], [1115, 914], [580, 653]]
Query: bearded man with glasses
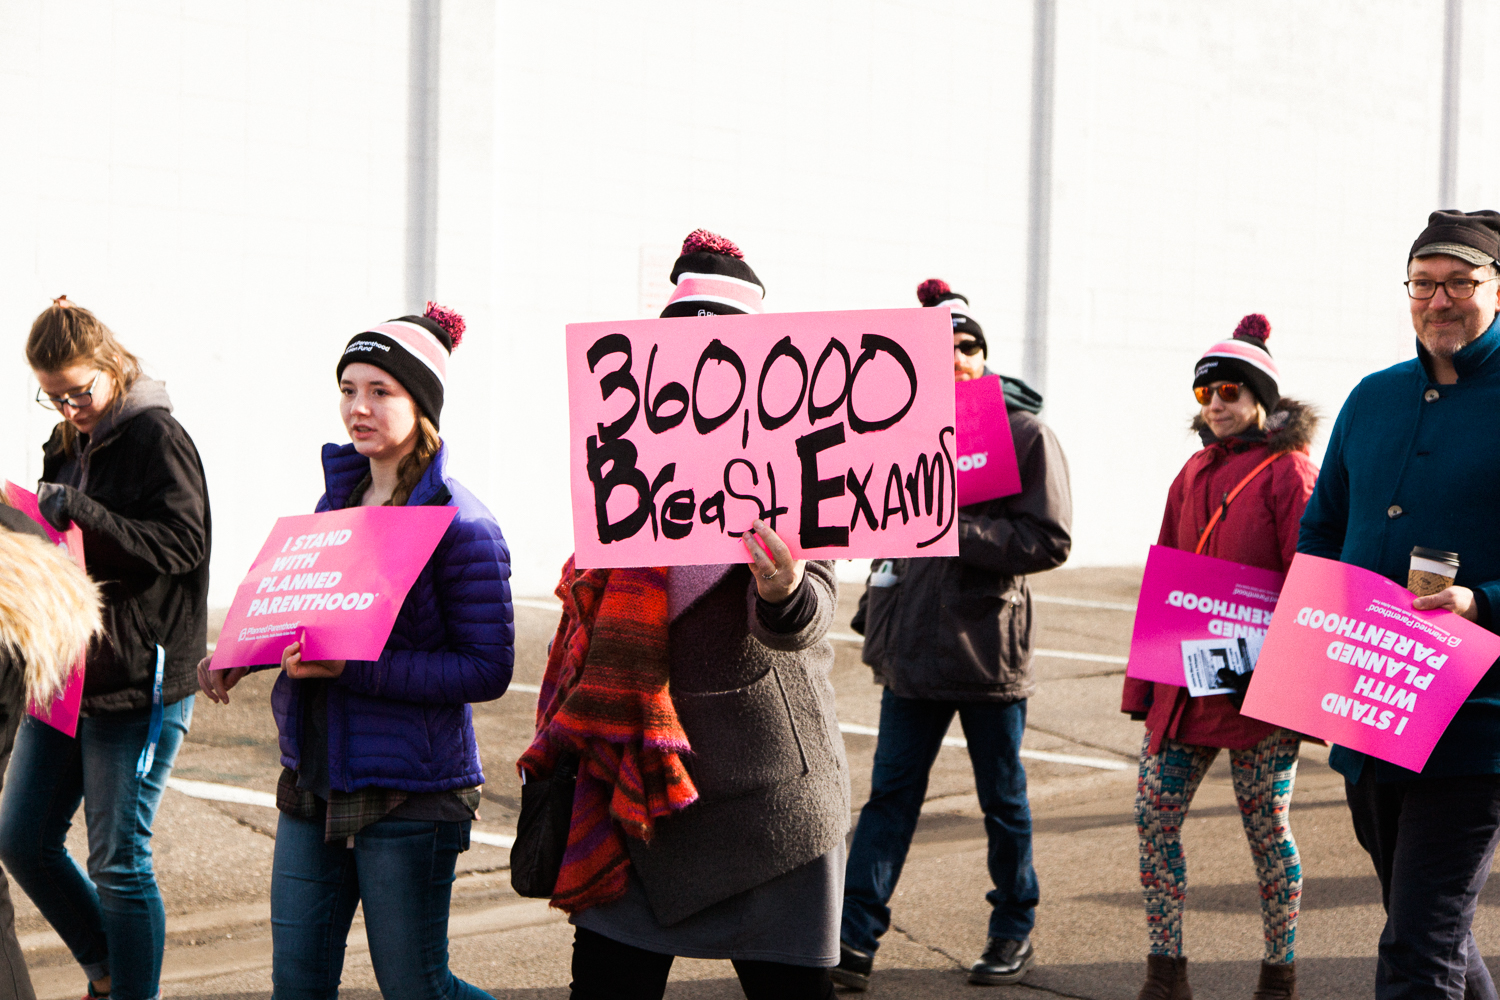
[[1415, 461]]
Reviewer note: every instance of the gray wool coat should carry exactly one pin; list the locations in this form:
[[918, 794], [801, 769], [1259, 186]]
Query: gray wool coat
[[768, 759]]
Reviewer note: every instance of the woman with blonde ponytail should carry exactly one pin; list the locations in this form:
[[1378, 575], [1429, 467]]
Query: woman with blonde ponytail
[[49, 610], [120, 467]]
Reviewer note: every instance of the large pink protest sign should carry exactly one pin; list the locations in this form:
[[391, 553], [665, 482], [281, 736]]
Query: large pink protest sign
[[334, 581], [1348, 660], [1186, 597], [837, 428], [62, 713], [986, 451]]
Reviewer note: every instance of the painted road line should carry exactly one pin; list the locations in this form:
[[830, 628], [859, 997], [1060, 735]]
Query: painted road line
[[504, 840], [1077, 602], [215, 792], [1103, 763], [1061, 654], [528, 688]]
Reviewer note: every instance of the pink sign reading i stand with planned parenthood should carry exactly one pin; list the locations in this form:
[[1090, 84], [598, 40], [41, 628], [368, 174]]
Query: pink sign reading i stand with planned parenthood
[[1348, 660], [62, 713], [837, 428], [1185, 596], [986, 451], [335, 579]]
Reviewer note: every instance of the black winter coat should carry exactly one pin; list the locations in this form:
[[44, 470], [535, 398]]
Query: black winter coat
[[147, 530], [959, 628]]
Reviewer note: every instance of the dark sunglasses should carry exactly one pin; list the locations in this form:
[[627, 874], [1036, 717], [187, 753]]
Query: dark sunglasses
[[1229, 392], [969, 347]]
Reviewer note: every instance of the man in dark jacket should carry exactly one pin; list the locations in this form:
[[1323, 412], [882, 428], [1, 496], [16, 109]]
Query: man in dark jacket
[[950, 635], [1415, 460]]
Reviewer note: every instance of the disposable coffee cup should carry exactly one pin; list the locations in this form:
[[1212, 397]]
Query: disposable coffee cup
[[1432, 570]]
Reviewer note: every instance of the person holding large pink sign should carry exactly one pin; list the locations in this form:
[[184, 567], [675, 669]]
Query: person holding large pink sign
[[121, 469], [1414, 463], [1238, 500], [381, 773], [687, 713]]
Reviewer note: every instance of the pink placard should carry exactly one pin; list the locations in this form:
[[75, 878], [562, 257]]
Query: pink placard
[[1348, 660], [1188, 596], [334, 580], [836, 427], [62, 713], [986, 452]]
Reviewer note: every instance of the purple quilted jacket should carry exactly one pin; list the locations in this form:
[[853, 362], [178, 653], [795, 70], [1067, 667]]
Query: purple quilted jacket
[[403, 721]]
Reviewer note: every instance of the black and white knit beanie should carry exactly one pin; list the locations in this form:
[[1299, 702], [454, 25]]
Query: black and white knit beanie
[[935, 292], [414, 350], [712, 279], [1244, 358]]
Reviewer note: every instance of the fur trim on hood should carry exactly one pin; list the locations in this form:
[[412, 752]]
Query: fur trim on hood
[[1289, 427], [49, 610]]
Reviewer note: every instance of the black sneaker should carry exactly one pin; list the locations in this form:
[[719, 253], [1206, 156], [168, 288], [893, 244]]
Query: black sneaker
[[853, 970], [1002, 962]]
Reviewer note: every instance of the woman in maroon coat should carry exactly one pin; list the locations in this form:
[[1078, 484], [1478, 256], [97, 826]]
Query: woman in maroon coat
[[1239, 499]]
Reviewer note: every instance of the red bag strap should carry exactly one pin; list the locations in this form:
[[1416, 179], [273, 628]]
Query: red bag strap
[[1229, 499]]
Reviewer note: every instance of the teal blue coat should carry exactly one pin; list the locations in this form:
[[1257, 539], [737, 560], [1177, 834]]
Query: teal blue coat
[[1405, 470]]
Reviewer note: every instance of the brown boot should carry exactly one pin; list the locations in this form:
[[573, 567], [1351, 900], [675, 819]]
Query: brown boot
[[1277, 982], [1166, 979]]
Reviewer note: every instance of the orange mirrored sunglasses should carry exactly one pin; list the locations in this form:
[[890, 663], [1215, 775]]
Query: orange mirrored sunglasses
[[1229, 392]]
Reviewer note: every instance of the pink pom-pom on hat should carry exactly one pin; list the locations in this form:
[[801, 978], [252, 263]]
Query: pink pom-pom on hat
[[449, 319], [702, 239], [931, 291], [1254, 325]]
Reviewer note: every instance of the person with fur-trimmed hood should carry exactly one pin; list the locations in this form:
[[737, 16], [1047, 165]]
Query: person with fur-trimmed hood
[[49, 610], [1255, 473]]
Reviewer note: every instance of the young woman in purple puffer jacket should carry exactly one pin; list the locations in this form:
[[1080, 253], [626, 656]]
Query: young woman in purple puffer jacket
[[381, 771]]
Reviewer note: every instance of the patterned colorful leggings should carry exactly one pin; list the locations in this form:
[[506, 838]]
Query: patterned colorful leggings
[[1263, 778]]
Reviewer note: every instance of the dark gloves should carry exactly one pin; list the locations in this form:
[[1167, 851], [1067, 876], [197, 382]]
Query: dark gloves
[[54, 502], [1137, 716], [1240, 683]]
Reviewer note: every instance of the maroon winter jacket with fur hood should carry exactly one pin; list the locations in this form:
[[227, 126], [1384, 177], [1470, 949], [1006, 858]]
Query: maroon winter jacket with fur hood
[[1259, 529]]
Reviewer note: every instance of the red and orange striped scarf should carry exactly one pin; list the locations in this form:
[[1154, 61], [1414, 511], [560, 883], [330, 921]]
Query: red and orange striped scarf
[[605, 698]]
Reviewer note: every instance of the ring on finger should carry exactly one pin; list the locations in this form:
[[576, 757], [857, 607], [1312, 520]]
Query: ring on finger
[[771, 575]]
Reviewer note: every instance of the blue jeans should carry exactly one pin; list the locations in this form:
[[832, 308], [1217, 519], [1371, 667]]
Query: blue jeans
[[911, 732], [402, 871], [111, 918]]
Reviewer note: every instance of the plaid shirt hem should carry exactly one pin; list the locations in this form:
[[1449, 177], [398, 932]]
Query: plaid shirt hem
[[350, 812]]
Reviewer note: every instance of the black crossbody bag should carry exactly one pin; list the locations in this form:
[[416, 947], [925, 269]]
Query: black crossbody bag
[[542, 829]]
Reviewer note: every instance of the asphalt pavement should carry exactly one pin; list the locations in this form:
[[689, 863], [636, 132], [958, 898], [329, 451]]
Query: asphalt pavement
[[213, 854]]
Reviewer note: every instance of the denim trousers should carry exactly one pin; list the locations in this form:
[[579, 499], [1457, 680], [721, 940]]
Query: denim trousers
[[401, 870], [911, 733], [111, 918], [1432, 841]]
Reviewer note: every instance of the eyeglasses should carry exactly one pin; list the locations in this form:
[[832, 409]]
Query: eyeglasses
[[77, 400], [969, 347], [1229, 392], [1457, 288]]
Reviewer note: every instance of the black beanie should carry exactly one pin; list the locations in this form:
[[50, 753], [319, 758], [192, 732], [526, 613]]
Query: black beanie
[[712, 279], [1473, 237], [935, 292], [414, 350], [1245, 359]]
